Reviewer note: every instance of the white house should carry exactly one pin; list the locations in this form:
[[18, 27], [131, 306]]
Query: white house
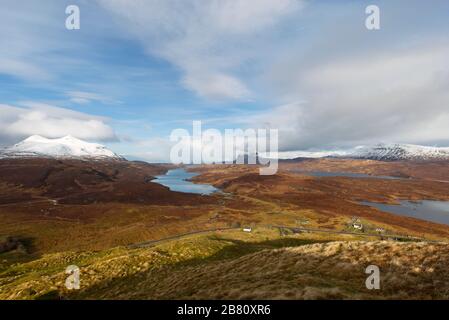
[[358, 226]]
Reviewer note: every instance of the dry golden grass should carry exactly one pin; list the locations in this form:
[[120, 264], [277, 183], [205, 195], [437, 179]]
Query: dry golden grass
[[319, 271], [235, 265]]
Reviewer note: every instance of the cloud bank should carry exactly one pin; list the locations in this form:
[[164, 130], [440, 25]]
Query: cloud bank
[[399, 96], [19, 122]]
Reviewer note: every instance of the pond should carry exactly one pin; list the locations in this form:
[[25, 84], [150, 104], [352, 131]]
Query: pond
[[178, 180], [434, 211]]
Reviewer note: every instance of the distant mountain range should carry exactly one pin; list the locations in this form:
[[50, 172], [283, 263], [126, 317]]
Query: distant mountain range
[[66, 147], [73, 148], [381, 152], [393, 152]]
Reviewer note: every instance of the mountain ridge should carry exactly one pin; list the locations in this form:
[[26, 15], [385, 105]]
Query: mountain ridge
[[397, 151], [67, 147]]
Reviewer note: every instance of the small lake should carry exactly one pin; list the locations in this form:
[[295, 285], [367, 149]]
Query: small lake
[[343, 174], [435, 211], [177, 180]]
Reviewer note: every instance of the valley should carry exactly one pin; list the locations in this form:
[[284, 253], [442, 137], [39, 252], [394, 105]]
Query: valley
[[224, 149], [55, 208]]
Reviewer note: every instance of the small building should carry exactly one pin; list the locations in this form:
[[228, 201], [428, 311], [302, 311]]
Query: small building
[[357, 226]]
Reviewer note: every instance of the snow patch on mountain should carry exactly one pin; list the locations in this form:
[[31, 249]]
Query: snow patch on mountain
[[391, 152], [66, 147]]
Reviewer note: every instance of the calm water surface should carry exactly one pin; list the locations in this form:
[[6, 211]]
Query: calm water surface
[[435, 211], [177, 180]]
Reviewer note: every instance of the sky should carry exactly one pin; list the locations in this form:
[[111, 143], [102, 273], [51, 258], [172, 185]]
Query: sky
[[138, 69]]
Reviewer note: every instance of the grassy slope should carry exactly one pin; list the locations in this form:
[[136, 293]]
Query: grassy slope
[[234, 265]]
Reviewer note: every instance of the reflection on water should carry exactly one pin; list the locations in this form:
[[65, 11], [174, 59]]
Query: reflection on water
[[177, 180], [435, 211]]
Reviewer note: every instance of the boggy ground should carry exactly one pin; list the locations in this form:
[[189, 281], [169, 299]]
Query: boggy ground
[[329, 202], [59, 205], [429, 170], [62, 212]]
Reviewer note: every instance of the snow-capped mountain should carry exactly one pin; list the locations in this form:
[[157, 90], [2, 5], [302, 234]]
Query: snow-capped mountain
[[66, 147], [391, 152]]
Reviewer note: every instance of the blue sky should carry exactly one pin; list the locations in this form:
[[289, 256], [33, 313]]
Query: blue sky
[[136, 70]]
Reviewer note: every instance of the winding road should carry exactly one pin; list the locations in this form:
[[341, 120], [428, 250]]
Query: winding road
[[151, 243]]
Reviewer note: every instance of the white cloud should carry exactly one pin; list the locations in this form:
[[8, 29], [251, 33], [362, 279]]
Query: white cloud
[[353, 86], [389, 95], [308, 154], [82, 97], [207, 40], [216, 86], [155, 149], [32, 118]]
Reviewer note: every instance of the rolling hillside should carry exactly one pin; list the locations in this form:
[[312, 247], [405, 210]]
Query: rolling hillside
[[234, 265]]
